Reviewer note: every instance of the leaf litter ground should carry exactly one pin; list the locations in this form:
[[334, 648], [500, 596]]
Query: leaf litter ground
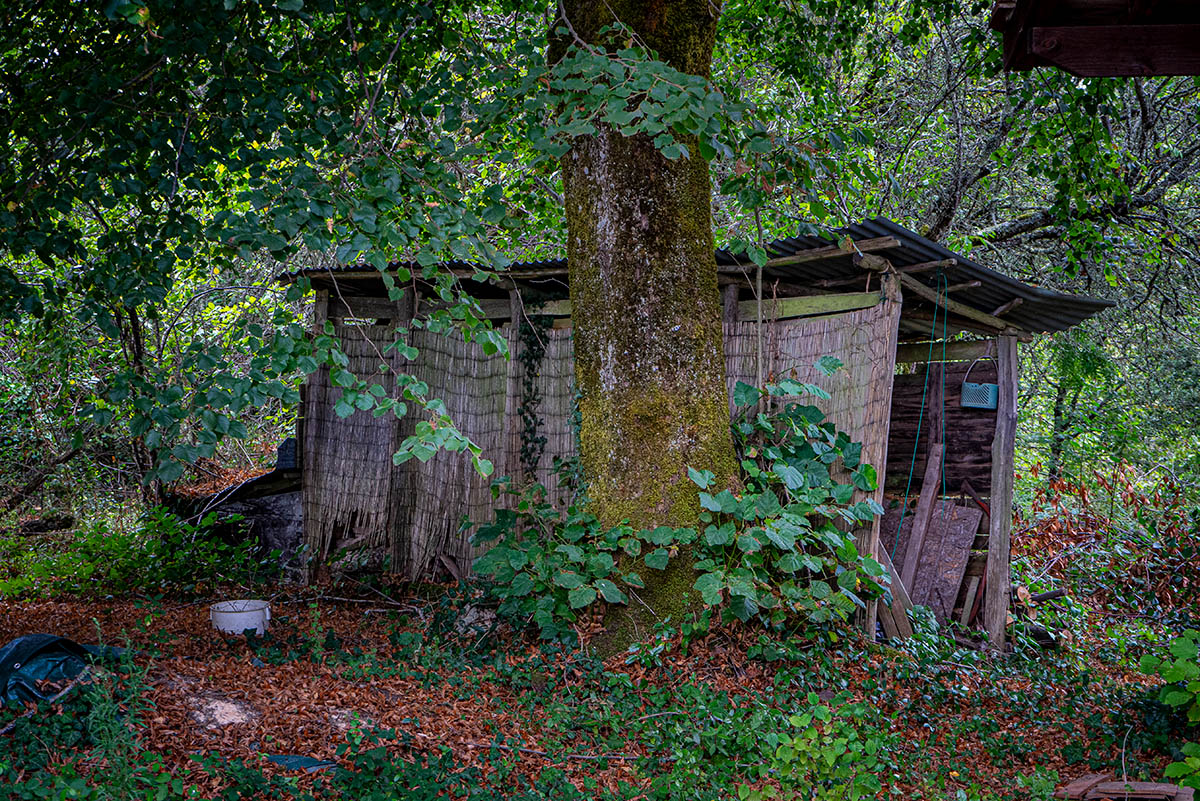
[[331, 666]]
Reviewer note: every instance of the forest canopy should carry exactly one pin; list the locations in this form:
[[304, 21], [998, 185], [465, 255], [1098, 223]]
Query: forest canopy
[[163, 164]]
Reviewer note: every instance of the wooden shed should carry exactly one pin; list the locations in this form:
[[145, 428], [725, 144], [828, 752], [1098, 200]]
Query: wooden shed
[[911, 322], [1131, 38]]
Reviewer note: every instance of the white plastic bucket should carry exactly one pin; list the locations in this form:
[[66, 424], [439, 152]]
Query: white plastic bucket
[[234, 617]]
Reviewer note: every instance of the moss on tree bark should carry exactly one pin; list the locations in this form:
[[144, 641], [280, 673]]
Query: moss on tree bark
[[649, 353]]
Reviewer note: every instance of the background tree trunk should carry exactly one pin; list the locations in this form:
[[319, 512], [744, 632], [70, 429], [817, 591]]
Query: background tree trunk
[[647, 313]]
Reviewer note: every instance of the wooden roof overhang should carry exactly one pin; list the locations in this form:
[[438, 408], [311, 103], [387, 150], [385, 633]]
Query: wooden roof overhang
[[1096, 38], [939, 286]]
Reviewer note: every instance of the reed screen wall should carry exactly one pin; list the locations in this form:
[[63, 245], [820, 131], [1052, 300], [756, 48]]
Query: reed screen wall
[[353, 494]]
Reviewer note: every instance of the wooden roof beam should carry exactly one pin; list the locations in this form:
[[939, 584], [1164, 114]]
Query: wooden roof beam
[[920, 267], [818, 254], [953, 306], [1007, 307]]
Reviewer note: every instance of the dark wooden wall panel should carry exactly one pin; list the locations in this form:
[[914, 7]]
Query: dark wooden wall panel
[[969, 432]]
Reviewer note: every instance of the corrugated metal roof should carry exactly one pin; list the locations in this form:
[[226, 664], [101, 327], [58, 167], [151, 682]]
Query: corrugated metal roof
[[1040, 310]]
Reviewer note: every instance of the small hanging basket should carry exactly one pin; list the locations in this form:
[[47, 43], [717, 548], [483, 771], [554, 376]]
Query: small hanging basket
[[979, 396]]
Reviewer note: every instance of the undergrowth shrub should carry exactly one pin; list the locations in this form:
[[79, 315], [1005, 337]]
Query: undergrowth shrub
[[1181, 674], [826, 753], [1124, 539], [780, 549], [1125, 546], [162, 554]]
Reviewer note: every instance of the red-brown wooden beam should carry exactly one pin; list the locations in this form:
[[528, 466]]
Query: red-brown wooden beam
[[1119, 50]]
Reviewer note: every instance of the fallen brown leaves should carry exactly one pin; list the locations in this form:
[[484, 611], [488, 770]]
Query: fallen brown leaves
[[210, 695]]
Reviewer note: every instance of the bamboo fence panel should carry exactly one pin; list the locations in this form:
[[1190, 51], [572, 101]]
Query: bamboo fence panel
[[474, 389], [354, 484], [347, 461], [861, 390]]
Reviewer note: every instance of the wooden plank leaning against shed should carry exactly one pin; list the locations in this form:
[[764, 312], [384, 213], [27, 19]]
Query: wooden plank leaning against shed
[[316, 391], [923, 515], [935, 458], [894, 619], [995, 613]]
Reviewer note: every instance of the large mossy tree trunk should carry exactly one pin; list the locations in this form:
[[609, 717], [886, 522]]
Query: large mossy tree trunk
[[649, 351]]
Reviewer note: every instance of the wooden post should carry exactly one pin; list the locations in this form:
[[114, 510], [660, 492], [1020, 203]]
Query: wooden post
[[995, 612], [868, 540], [315, 395], [402, 480], [924, 513], [510, 458], [729, 299]]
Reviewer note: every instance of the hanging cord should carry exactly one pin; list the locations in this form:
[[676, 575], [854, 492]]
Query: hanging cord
[[912, 465]]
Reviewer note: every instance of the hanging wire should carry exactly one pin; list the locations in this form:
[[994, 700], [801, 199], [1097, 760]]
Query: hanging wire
[[912, 465]]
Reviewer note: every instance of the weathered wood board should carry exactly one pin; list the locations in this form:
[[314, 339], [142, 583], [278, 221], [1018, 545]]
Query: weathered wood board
[[894, 618], [1098, 786], [943, 558], [969, 432]]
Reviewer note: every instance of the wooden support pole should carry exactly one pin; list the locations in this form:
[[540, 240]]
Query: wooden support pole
[[995, 612], [924, 513], [868, 540], [729, 303], [316, 392]]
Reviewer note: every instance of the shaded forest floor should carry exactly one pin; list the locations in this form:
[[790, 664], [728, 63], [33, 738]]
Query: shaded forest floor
[[471, 709]]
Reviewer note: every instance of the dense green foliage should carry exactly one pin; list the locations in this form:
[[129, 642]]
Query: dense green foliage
[[771, 551], [163, 163], [1181, 672], [161, 554]]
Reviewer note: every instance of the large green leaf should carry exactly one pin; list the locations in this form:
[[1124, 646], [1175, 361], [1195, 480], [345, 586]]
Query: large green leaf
[[581, 597]]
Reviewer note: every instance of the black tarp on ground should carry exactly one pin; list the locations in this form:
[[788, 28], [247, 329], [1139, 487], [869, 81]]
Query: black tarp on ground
[[27, 661]]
